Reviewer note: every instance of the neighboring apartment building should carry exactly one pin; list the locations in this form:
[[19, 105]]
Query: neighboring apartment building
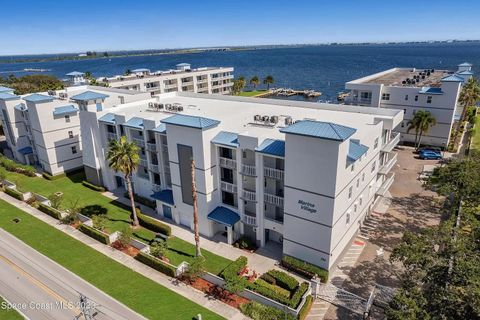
[[410, 90], [183, 78], [44, 128], [297, 176]]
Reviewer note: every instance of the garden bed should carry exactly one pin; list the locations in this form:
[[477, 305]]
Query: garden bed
[[223, 295]]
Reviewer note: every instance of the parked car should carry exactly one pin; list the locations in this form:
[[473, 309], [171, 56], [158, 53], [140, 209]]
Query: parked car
[[430, 155], [434, 149]]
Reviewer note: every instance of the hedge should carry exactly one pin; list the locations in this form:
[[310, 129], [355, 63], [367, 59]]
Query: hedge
[[142, 200], [278, 290], [54, 213], [93, 187], [153, 224], [297, 296], [156, 264], [282, 279], [48, 176], [13, 166], [234, 268], [305, 308], [94, 233], [258, 311], [259, 287], [303, 268], [14, 193]]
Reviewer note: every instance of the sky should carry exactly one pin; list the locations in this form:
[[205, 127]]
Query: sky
[[36, 27]]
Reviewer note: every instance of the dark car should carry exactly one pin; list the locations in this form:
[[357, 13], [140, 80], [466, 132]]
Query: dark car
[[429, 155]]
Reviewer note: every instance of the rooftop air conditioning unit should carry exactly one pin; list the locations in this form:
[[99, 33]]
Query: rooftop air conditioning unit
[[288, 121], [160, 106], [265, 118], [150, 104], [257, 117], [180, 108], [274, 119]]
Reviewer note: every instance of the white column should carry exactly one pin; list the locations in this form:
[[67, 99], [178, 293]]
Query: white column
[[241, 206], [229, 235], [260, 202]]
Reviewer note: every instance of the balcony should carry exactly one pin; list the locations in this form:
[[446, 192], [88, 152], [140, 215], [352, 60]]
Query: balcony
[[228, 187], [139, 142], [362, 101], [205, 80], [249, 195], [228, 163], [143, 162], [154, 168], [171, 86], [272, 199], [250, 220], [156, 187], [152, 146], [392, 159], [112, 136], [394, 139], [387, 183], [274, 173], [249, 170]]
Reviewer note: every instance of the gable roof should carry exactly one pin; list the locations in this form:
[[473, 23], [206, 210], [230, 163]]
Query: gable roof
[[226, 138], [465, 64], [135, 122], [8, 96], [272, 147], [108, 117], [36, 97], [320, 129], [452, 78], [6, 89], [89, 95], [191, 121]]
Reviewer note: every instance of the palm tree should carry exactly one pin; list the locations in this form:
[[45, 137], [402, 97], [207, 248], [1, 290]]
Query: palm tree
[[268, 81], [254, 81], [123, 157], [198, 252], [127, 72], [422, 122], [469, 96]]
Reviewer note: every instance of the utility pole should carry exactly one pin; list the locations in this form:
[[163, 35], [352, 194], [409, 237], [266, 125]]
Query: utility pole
[[86, 308], [198, 252]]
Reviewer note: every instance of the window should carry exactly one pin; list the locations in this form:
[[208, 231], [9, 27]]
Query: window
[[352, 167], [244, 154], [355, 208], [429, 99], [403, 124], [70, 134], [360, 200], [358, 183], [406, 97], [375, 144], [67, 118], [363, 177], [350, 191], [347, 216], [374, 164], [385, 96], [404, 111], [416, 98], [74, 149]]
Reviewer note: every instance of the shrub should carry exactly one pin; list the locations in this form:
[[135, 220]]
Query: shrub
[[13, 166], [245, 243], [276, 293], [158, 248], [282, 280], [93, 187], [233, 281], [54, 213], [195, 269], [305, 308], [48, 176], [94, 233], [3, 174], [156, 264], [268, 278], [56, 199], [14, 193], [278, 290], [142, 200], [153, 224], [304, 268], [297, 296], [125, 237], [258, 311], [99, 222]]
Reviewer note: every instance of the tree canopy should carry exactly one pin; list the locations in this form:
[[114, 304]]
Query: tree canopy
[[32, 83]]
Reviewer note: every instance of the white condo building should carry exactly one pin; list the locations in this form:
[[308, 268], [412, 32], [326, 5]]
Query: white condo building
[[43, 129], [411, 89], [298, 176], [216, 80]]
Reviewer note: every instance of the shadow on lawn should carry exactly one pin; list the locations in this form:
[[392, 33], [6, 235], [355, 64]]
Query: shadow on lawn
[[181, 252], [93, 210]]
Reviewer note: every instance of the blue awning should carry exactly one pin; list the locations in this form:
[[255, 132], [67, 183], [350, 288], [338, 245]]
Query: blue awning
[[225, 138], [108, 117], [68, 109], [165, 196], [356, 150], [135, 122], [272, 147], [224, 216], [26, 150], [162, 128]]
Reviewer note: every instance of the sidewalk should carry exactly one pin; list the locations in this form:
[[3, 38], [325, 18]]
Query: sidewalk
[[170, 283]]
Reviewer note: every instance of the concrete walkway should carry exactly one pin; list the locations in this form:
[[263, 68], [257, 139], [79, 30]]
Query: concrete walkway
[[170, 283]]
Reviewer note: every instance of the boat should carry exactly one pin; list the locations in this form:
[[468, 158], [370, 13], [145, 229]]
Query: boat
[[342, 95], [35, 70]]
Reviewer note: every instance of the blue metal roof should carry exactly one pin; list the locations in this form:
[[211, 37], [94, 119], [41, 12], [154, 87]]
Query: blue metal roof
[[38, 98], [5, 89], [356, 150], [162, 128], [226, 138], [183, 64], [319, 129], [224, 216], [272, 147], [140, 70], [465, 64], [89, 95], [8, 96], [25, 150], [465, 72], [75, 73], [430, 90], [165, 196], [58, 111], [191, 121], [21, 107], [452, 78], [135, 122], [108, 117]]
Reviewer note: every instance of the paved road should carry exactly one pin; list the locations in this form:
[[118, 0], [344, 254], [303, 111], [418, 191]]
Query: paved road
[[47, 290]]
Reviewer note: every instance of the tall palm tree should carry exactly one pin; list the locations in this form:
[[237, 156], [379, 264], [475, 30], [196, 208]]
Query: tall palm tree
[[422, 122], [469, 96], [123, 157], [198, 252], [254, 81], [268, 81]]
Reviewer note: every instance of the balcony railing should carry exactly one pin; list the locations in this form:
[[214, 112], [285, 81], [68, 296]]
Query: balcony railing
[[112, 136], [154, 168], [394, 139], [151, 146], [274, 173], [249, 195], [249, 170], [228, 187], [171, 86], [252, 221], [392, 159], [156, 187], [139, 142], [356, 100], [387, 183], [272, 199], [228, 163]]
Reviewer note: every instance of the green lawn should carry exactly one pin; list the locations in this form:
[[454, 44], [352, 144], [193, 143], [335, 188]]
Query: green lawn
[[251, 93], [476, 137], [134, 290], [8, 314], [118, 216]]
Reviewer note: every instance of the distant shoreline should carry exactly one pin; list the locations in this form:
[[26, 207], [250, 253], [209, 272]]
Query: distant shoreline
[[138, 53]]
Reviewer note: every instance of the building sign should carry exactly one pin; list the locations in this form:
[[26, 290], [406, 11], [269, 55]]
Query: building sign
[[307, 206]]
